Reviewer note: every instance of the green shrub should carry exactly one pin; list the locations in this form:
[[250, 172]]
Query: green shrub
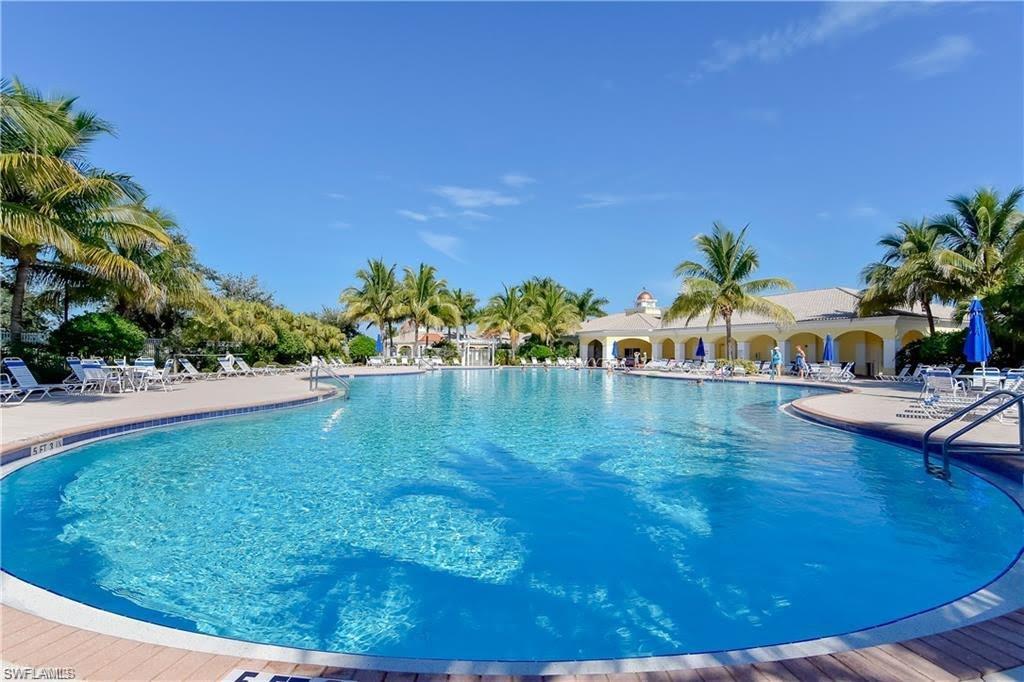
[[502, 356], [291, 347], [445, 350], [98, 334], [362, 347], [47, 366]]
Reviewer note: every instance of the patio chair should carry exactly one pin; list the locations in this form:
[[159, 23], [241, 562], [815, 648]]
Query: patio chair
[[8, 392], [85, 379], [989, 378], [191, 373], [227, 366], [22, 376], [163, 378]]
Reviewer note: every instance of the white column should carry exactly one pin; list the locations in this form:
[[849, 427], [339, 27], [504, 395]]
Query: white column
[[812, 351], [584, 350], [709, 351], [784, 350], [656, 349], [606, 344], [889, 348], [743, 350], [680, 350]]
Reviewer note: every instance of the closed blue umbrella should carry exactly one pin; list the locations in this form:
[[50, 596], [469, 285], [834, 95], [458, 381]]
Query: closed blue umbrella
[[615, 349], [829, 353], [380, 344], [700, 348], [977, 346]]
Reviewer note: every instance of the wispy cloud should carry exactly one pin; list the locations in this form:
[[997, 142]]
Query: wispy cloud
[[469, 197], [601, 200], [413, 215], [948, 54], [517, 180], [446, 244], [337, 195], [759, 115], [823, 215], [865, 211], [475, 215], [341, 225], [835, 21]]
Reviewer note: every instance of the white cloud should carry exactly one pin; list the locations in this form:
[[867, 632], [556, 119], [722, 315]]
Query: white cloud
[[835, 21], [337, 195], [413, 215], [517, 180], [468, 197], [475, 215], [948, 54], [446, 244], [601, 200]]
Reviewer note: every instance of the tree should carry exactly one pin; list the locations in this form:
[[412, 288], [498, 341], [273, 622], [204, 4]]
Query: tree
[[721, 285], [507, 313], [423, 301], [465, 303], [911, 271], [98, 334], [362, 347], [588, 304], [56, 207], [985, 235], [377, 299], [241, 287], [554, 315]]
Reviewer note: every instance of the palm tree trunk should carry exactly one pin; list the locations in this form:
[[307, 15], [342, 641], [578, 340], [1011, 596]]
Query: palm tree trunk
[[415, 339], [926, 304], [26, 259], [728, 338], [67, 301]]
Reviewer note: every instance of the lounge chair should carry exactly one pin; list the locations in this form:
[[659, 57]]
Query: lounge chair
[[191, 373], [27, 383], [227, 366], [894, 377], [986, 379], [375, 362], [86, 379], [8, 392], [163, 378]]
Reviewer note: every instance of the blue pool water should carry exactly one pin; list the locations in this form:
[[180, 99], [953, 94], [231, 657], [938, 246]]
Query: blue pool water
[[508, 515]]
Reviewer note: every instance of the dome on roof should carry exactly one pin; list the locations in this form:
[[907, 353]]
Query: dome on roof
[[644, 296]]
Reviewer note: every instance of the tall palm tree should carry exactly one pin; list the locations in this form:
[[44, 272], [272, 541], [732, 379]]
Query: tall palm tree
[[465, 304], [534, 288], [589, 304], [507, 313], [721, 285], [377, 299], [911, 271], [57, 208], [985, 235], [554, 315], [423, 300]]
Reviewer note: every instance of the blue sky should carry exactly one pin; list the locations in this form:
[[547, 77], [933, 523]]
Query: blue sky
[[588, 142]]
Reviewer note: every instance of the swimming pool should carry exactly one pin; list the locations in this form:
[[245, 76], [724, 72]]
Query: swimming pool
[[508, 515]]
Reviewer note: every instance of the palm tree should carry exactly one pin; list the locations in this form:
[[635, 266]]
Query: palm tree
[[378, 298], [588, 304], [465, 303], [57, 208], [554, 315], [534, 288], [507, 313], [423, 300], [911, 271], [721, 285], [985, 235]]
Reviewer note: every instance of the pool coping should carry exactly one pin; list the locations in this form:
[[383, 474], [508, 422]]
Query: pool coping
[[1003, 595]]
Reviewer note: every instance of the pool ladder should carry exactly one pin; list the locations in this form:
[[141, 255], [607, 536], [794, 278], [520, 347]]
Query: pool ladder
[[998, 449], [314, 378]]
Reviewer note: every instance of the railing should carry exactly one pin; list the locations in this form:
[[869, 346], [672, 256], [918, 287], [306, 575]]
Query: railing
[[314, 377], [35, 338], [990, 449]]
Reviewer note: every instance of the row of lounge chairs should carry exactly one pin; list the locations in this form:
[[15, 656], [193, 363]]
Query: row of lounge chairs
[[943, 393], [18, 384]]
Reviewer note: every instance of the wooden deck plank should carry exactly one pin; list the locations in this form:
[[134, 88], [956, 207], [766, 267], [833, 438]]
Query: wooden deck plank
[[214, 669], [917, 662], [775, 672], [869, 669], [32, 647], [1014, 637], [991, 635], [184, 667], [941, 658], [32, 630], [901, 670], [968, 656], [835, 669], [308, 670], [118, 669], [400, 677], [57, 652], [1015, 616], [433, 677], [152, 667], [1000, 657], [100, 659], [368, 676], [802, 669], [681, 675], [715, 674]]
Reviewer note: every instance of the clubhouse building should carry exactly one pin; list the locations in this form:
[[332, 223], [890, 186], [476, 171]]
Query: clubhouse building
[[869, 342]]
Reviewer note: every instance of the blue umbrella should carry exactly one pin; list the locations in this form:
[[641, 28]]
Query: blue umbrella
[[700, 348], [829, 353], [977, 346], [615, 349], [380, 344]]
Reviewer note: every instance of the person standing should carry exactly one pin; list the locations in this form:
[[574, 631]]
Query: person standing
[[775, 369], [801, 362]]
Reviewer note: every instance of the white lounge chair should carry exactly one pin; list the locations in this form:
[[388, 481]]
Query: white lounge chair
[[191, 373], [8, 392], [27, 384], [986, 379], [227, 366]]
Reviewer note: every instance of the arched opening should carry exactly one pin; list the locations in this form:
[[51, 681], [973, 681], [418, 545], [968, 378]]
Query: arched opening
[[405, 351], [761, 347], [862, 348], [628, 349], [812, 343], [668, 349], [910, 337], [595, 350], [690, 347]]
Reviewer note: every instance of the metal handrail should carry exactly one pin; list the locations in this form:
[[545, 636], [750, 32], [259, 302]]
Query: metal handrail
[[1015, 399], [314, 377]]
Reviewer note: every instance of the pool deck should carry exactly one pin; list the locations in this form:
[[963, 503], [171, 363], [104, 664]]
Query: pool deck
[[986, 649]]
